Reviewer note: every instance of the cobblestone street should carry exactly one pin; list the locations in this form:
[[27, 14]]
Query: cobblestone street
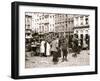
[[36, 61]]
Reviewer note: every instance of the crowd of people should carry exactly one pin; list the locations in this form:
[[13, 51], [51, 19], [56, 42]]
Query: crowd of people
[[59, 47]]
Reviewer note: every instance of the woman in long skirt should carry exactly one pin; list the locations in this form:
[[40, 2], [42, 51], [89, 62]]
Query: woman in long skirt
[[42, 48], [54, 46], [47, 49]]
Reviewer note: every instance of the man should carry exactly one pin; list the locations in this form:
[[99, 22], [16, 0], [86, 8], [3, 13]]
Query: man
[[75, 45], [79, 46], [64, 49]]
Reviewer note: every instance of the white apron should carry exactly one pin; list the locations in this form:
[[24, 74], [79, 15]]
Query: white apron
[[42, 47], [47, 49]]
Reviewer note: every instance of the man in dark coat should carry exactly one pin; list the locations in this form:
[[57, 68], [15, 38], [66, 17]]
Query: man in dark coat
[[75, 46], [64, 49]]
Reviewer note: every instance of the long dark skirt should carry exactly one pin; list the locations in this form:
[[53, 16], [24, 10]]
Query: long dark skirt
[[55, 56]]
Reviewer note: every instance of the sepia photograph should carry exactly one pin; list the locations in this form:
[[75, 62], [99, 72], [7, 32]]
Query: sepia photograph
[[56, 40], [51, 40]]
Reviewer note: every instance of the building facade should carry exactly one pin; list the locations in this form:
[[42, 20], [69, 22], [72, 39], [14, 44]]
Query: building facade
[[59, 24], [81, 28], [64, 24], [43, 22], [69, 24], [28, 26], [81, 25]]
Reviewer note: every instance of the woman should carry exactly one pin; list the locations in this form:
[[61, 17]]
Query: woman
[[47, 48], [54, 47], [42, 47]]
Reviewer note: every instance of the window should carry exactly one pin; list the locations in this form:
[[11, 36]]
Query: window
[[86, 20], [86, 31], [76, 21], [76, 31], [81, 20], [81, 31], [66, 25], [50, 16], [69, 22]]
